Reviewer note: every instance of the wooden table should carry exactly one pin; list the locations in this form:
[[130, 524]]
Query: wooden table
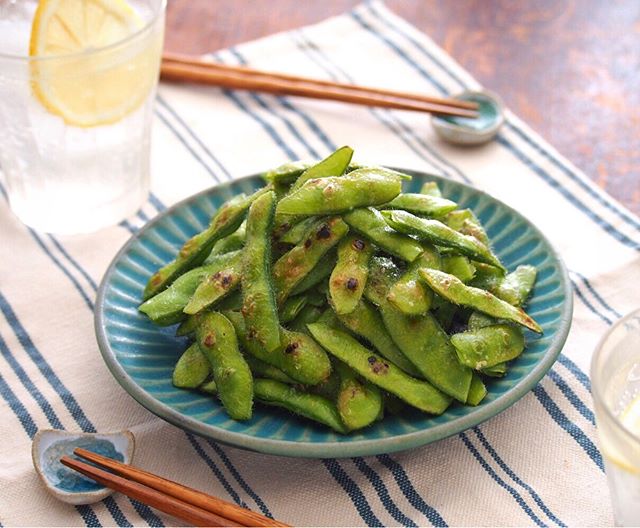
[[570, 68]]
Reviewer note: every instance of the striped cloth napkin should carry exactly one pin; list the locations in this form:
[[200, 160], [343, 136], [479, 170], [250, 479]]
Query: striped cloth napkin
[[535, 464]]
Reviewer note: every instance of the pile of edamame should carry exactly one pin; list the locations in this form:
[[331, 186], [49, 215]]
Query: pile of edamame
[[332, 294]]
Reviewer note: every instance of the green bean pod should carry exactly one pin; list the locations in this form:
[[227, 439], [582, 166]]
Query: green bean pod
[[298, 231], [217, 341], [377, 370], [349, 277], [166, 308], [488, 346], [456, 292], [460, 266], [338, 194], [440, 234], [209, 387], [286, 173], [312, 406], [359, 402], [516, 286], [317, 274], [258, 299], [467, 223], [365, 321], [196, 249], [262, 369], [408, 294], [291, 308], [371, 224], [192, 369], [293, 266], [299, 356], [335, 164], [480, 320], [496, 371], [232, 242], [477, 391], [421, 204], [215, 286]]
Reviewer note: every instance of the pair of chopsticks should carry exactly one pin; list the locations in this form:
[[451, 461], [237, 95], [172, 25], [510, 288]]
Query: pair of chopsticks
[[188, 504], [185, 68]]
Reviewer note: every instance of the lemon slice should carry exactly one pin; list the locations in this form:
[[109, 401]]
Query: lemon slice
[[86, 85]]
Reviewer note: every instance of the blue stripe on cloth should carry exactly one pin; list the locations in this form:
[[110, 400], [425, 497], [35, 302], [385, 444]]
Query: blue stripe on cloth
[[586, 302], [354, 492], [195, 138], [89, 516], [598, 297], [572, 397], [115, 512], [387, 118], [518, 498], [212, 465], [576, 371], [410, 493], [73, 262], [35, 393], [382, 492], [515, 478], [326, 58], [574, 431], [155, 201], [127, 225], [601, 222], [18, 408], [236, 474]]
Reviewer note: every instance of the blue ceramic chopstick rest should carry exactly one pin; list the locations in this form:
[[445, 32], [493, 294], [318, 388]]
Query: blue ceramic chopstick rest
[[67, 485]]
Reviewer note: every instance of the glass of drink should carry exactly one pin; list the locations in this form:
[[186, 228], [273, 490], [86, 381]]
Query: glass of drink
[[77, 84], [615, 377]]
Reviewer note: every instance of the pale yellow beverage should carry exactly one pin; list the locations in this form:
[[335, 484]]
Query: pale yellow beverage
[[615, 374], [77, 84]]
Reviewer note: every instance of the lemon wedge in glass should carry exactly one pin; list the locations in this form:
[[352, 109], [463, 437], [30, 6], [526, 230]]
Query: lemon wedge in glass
[[88, 67], [630, 417]]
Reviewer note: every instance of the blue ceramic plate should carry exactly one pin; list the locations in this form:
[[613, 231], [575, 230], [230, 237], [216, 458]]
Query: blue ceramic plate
[[141, 356]]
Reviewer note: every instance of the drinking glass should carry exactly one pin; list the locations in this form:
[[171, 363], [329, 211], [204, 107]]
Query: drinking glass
[[61, 172], [615, 378]]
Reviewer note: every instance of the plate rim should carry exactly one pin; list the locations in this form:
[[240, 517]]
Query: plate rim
[[305, 449]]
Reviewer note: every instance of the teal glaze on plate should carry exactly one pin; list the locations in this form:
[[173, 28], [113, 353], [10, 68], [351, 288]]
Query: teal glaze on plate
[[141, 356], [67, 479]]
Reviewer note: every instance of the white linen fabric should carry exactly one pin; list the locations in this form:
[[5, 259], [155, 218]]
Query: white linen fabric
[[535, 464]]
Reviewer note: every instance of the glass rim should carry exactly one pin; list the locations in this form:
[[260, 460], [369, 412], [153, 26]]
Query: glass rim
[[598, 397], [162, 5]]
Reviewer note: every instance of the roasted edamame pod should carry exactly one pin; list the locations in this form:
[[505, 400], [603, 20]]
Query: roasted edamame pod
[[456, 292], [440, 234], [372, 225], [516, 286], [262, 369], [431, 189], [215, 286], [320, 272], [337, 194], [291, 308], [421, 204], [166, 308], [293, 266], [488, 346], [297, 233], [377, 370], [308, 314], [232, 242], [467, 223], [258, 298], [312, 406], [299, 356], [197, 248], [286, 173], [349, 277], [335, 164], [408, 293], [359, 402], [192, 369], [217, 341], [460, 266], [477, 391]]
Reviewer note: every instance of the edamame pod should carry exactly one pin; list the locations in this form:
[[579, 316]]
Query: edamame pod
[[431, 189], [440, 234], [217, 341], [365, 321], [460, 266], [335, 164], [296, 234], [486, 277], [372, 225], [516, 286], [299, 356], [337, 194], [477, 391], [293, 266], [320, 272], [467, 223], [408, 293], [421, 204], [359, 402], [456, 292], [215, 286], [377, 370], [488, 346], [286, 173], [192, 369], [349, 277], [232, 242], [291, 308], [208, 387], [496, 371], [312, 406], [196, 249], [258, 299], [262, 369], [309, 314], [166, 308]]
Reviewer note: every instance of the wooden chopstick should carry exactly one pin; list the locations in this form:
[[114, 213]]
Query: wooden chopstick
[[229, 513], [165, 503], [181, 68]]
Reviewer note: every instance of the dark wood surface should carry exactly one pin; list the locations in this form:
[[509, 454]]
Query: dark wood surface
[[570, 68]]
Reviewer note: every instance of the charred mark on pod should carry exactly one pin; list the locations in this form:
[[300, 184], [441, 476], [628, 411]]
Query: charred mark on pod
[[352, 283], [292, 347], [323, 232], [358, 244], [377, 366], [307, 243], [209, 340]]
